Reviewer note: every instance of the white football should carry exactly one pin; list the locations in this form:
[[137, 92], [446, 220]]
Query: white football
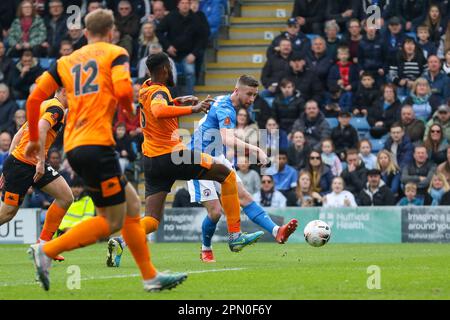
[[317, 233]]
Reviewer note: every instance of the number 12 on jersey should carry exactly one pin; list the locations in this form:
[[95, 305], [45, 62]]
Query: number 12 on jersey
[[90, 85]]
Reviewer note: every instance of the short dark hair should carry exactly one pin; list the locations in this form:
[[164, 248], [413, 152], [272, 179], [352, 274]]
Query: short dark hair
[[285, 81], [397, 125], [246, 80], [282, 152], [351, 151], [367, 74], [156, 61]]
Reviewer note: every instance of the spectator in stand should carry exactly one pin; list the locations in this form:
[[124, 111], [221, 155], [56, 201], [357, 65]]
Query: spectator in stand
[[143, 73], [420, 170], [419, 99], [318, 61], [158, 13], [6, 65], [184, 39], [313, 123], [306, 81], [414, 128], [262, 111], [126, 20], [298, 151], [75, 36], [306, 197], [268, 197], [411, 198], [444, 43], [399, 145], [331, 37], [299, 41], [65, 48], [385, 112], [436, 24], [25, 73], [365, 96], [441, 117], [20, 118], [393, 40], [246, 129], [409, 66], [5, 144], [56, 25], [344, 136], [124, 146], [438, 187], [213, 12], [438, 82], [55, 161], [93, 5], [27, 31], [340, 12], [276, 68], [390, 172], [355, 175], [344, 73], [436, 144], [7, 108], [122, 40], [310, 15], [446, 63], [195, 8], [276, 137], [146, 38], [411, 12], [287, 105], [336, 100], [320, 173], [375, 192], [339, 198], [131, 119], [366, 155], [354, 38], [330, 158], [444, 168], [424, 43], [370, 54], [362, 11], [250, 178], [7, 12]]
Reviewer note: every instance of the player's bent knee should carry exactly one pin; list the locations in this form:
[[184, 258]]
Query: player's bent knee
[[7, 213]]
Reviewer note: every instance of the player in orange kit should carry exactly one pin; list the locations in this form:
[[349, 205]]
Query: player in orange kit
[[96, 78], [167, 159], [20, 173]]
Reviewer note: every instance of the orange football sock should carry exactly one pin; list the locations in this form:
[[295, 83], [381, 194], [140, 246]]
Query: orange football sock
[[135, 238], [230, 203], [149, 224], [83, 234], [52, 221]]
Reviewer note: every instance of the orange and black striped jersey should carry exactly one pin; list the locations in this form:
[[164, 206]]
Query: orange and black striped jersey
[[51, 111], [91, 77], [159, 120]]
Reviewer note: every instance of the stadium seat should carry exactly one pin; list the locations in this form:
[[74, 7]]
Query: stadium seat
[[412, 35], [269, 100], [401, 98], [333, 122], [21, 103], [312, 36], [360, 124], [377, 144], [46, 62]]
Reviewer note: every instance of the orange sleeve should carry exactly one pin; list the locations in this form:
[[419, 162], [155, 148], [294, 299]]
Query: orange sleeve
[[45, 86], [160, 109], [120, 74]]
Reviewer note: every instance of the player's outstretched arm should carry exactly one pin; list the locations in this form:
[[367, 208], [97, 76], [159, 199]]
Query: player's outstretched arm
[[16, 139], [160, 108], [230, 140], [44, 126]]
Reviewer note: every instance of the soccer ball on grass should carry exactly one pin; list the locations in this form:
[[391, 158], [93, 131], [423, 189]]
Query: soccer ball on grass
[[317, 233]]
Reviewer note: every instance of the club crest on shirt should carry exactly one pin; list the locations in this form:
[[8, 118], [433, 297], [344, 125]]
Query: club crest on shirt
[[227, 121], [206, 192]]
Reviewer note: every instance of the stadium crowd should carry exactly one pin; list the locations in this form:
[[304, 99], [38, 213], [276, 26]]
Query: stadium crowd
[[361, 111]]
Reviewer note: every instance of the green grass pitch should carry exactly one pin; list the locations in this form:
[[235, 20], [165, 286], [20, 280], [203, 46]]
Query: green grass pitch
[[262, 271]]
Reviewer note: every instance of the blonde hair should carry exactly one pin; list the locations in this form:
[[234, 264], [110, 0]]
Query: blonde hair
[[441, 177], [99, 22], [410, 185], [392, 167], [420, 81]]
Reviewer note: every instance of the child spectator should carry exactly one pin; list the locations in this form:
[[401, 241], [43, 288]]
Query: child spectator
[[306, 197], [365, 153], [337, 101], [428, 47], [365, 96], [330, 158], [344, 136], [339, 198], [438, 187], [287, 105], [250, 178], [344, 73], [124, 146], [298, 151], [410, 198]]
